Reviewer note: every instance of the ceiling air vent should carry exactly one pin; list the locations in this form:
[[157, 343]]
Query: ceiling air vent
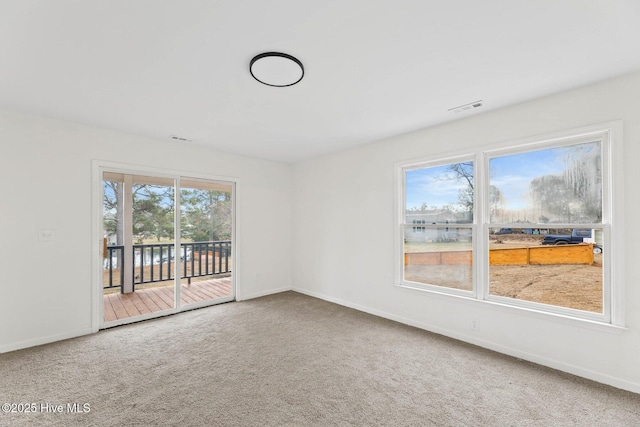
[[179, 138], [465, 107]]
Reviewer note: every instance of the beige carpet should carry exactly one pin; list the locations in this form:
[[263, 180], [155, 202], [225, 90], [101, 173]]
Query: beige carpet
[[292, 360]]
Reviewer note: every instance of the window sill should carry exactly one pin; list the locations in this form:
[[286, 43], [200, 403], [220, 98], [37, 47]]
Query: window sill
[[562, 319]]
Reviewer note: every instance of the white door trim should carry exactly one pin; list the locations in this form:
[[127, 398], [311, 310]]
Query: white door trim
[[98, 167]]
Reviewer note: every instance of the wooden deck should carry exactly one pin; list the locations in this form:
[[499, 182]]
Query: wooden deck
[[121, 306]]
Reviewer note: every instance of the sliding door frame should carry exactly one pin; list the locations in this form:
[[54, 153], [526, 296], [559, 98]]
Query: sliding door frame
[[98, 168]]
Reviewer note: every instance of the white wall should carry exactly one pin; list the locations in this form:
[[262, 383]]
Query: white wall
[[344, 235], [45, 183], [342, 242]]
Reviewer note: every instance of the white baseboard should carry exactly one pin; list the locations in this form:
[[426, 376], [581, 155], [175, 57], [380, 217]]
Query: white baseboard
[[44, 340], [240, 297], [551, 363]]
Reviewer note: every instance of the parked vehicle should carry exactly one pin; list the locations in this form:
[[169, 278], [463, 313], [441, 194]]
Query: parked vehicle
[[578, 235], [505, 231]]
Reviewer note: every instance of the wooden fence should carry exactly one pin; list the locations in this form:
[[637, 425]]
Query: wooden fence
[[537, 255]]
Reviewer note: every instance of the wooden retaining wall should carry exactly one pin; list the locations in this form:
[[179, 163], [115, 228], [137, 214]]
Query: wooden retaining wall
[[537, 255], [438, 258]]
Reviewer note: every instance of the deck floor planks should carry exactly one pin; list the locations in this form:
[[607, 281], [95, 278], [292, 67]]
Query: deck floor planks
[[109, 314], [166, 294], [209, 293], [118, 308], [158, 299], [128, 305], [121, 306], [195, 292], [163, 298], [187, 297], [140, 305], [223, 289], [150, 303], [219, 293]]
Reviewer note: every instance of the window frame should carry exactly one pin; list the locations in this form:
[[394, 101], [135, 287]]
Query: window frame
[[610, 135], [428, 163]]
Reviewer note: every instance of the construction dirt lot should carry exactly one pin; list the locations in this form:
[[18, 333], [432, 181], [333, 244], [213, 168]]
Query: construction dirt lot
[[572, 285], [575, 286]]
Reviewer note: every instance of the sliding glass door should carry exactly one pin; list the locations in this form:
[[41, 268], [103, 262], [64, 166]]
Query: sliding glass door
[[167, 244], [206, 230]]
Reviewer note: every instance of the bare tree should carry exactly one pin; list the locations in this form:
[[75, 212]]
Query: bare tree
[[576, 193]]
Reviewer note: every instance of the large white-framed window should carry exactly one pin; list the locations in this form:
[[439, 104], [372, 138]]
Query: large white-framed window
[[532, 224]]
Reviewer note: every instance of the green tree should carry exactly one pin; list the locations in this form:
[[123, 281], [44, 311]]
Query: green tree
[[206, 215], [113, 194], [153, 212]]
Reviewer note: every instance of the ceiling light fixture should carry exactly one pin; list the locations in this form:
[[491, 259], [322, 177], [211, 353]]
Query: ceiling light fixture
[[276, 69]]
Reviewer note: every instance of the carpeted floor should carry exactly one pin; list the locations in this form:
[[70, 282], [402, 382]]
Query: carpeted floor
[[293, 360]]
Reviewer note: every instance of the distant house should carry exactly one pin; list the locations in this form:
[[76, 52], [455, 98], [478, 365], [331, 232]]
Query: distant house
[[422, 228]]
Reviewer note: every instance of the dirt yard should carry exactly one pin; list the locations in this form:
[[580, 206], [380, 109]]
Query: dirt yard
[[571, 286]]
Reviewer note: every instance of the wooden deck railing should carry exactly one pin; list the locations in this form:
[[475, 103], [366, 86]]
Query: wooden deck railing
[[156, 262]]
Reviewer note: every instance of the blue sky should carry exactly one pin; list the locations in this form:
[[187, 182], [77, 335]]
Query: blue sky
[[512, 174], [435, 186]]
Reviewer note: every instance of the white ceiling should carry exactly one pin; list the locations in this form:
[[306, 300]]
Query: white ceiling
[[373, 68]]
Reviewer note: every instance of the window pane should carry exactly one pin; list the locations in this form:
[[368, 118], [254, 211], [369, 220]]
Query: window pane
[[556, 185], [438, 256], [561, 267], [440, 194], [152, 211], [206, 212]]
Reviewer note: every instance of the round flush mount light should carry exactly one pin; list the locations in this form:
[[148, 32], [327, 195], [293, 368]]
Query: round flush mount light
[[276, 69]]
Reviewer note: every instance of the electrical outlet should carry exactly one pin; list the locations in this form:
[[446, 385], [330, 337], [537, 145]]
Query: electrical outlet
[[46, 235]]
